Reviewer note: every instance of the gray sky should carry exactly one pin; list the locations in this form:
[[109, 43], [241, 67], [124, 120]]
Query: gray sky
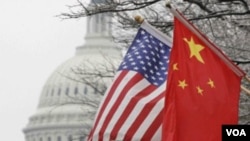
[[33, 42]]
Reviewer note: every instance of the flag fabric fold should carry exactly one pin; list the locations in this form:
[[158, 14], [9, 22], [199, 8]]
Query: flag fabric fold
[[202, 90], [132, 108]]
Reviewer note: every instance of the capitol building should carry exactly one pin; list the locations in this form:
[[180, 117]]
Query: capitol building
[[71, 95]]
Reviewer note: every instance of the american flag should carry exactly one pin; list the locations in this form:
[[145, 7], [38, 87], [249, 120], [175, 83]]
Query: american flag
[[132, 107]]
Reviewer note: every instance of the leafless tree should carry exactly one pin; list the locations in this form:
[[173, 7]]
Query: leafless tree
[[224, 22]]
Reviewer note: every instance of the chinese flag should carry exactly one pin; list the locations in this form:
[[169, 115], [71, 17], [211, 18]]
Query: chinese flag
[[202, 90]]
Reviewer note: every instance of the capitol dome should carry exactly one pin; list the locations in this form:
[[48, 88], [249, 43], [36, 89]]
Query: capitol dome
[[71, 95]]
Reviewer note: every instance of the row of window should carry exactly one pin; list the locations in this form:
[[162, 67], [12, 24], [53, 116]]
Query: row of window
[[52, 92], [56, 118], [59, 138], [67, 90]]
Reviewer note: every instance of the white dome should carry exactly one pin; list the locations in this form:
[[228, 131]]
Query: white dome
[[68, 101], [67, 105], [65, 84]]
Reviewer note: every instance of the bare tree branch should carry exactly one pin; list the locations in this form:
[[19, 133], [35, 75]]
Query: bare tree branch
[[225, 22]]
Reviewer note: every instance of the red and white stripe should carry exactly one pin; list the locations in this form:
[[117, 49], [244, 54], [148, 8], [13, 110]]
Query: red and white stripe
[[131, 110]]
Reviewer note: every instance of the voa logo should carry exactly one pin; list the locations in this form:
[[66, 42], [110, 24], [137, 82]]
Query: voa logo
[[236, 132]]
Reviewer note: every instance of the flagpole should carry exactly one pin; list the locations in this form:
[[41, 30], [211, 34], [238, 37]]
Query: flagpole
[[145, 25], [247, 78], [245, 90]]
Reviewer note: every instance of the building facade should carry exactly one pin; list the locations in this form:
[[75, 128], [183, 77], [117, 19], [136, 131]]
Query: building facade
[[71, 95]]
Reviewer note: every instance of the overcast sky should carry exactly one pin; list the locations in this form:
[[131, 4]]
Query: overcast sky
[[33, 42]]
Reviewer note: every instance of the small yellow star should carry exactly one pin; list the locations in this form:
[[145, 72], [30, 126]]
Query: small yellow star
[[182, 84], [195, 49], [199, 90], [175, 66], [211, 83]]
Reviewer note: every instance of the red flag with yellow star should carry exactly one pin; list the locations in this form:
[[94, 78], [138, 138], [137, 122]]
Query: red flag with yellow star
[[202, 90]]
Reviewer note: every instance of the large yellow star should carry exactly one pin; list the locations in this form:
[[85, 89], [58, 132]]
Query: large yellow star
[[199, 90], [211, 83], [182, 84], [195, 49]]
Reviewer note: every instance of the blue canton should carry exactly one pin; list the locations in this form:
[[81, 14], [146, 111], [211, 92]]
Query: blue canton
[[147, 56]]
